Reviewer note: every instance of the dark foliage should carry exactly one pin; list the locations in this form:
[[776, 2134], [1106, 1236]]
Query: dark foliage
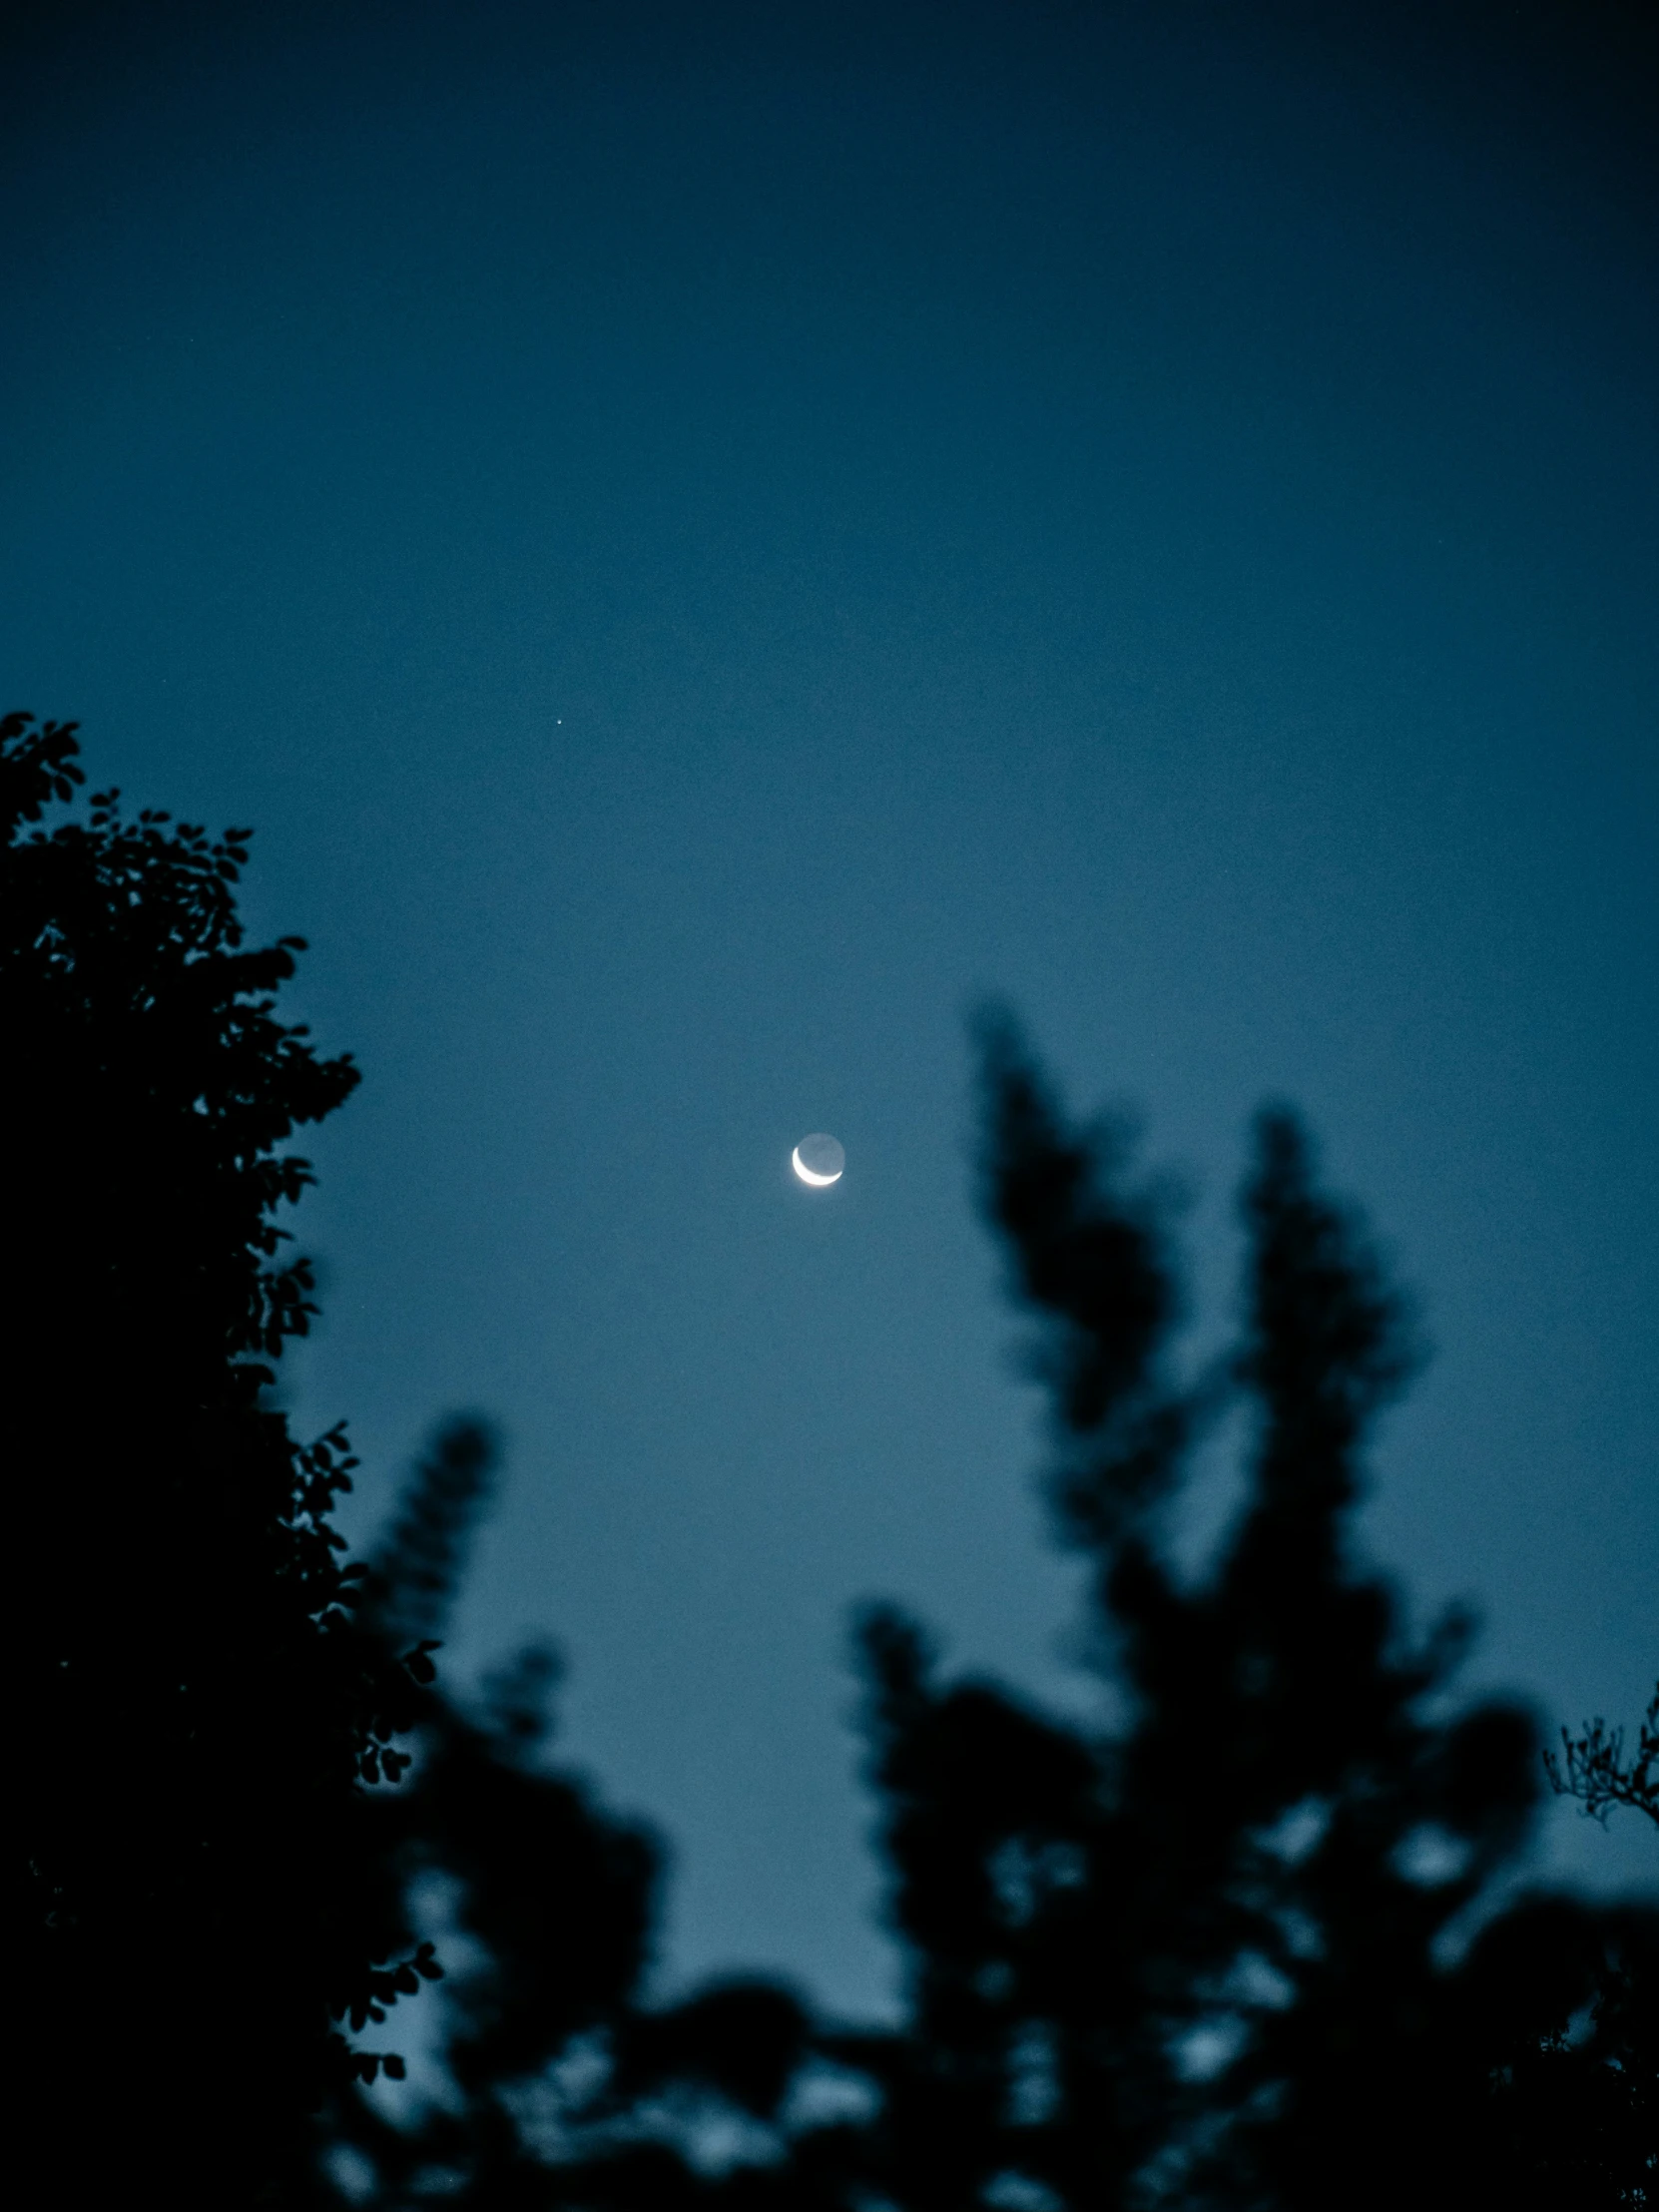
[[220, 1850], [549, 2078], [1244, 1946], [191, 1711], [1253, 1940]]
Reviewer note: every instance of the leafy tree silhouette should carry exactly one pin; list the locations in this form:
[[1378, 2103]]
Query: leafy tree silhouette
[[211, 1874], [1253, 1940], [194, 1714], [556, 2082], [1247, 1946]]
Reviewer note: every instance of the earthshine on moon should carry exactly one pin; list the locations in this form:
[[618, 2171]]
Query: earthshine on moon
[[818, 1159]]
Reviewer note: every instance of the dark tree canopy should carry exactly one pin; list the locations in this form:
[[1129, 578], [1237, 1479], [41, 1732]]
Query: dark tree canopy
[[221, 1836], [561, 2084], [1250, 1942], [1244, 1946], [1252, 1939], [193, 1712]]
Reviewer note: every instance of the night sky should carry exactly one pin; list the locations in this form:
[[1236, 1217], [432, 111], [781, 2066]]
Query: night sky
[[706, 540]]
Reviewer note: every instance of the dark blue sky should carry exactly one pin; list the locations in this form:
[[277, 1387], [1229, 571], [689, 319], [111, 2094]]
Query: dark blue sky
[[704, 539]]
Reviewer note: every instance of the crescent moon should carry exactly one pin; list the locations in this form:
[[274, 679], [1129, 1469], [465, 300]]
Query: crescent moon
[[819, 1182]]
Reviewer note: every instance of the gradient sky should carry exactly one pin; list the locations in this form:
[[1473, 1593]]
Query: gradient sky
[[704, 539]]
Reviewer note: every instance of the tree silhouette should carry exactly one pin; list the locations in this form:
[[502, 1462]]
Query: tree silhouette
[[1244, 1946], [216, 1870], [554, 2080], [1252, 1939], [193, 1712]]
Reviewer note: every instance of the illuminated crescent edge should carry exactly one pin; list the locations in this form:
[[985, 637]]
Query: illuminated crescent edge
[[819, 1182]]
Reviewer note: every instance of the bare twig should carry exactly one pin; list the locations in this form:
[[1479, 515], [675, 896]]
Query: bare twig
[[1593, 1768]]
